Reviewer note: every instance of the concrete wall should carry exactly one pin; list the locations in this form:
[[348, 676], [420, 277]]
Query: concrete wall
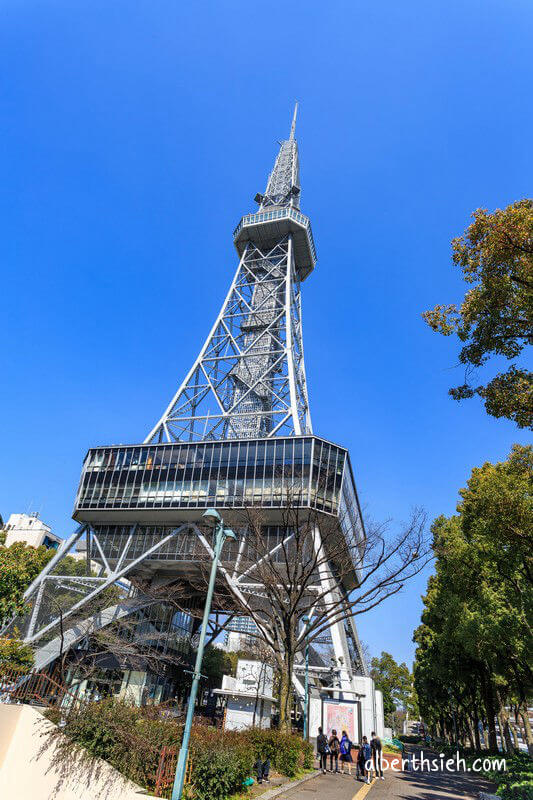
[[380, 717], [30, 769], [371, 705], [240, 714]]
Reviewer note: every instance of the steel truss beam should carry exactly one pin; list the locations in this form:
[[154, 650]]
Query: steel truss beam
[[89, 586]]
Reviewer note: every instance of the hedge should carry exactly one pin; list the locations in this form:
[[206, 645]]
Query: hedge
[[516, 783], [131, 739]]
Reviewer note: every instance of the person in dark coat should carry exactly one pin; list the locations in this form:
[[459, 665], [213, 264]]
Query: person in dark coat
[[375, 745], [322, 749], [334, 750], [364, 759]]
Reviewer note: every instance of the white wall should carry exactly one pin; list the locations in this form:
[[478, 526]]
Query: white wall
[[315, 716], [240, 713], [371, 705], [252, 675], [380, 717]]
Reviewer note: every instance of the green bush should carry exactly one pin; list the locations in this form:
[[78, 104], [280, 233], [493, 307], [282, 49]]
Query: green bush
[[288, 758], [516, 783], [308, 755], [221, 761], [288, 753], [517, 791], [131, 739]]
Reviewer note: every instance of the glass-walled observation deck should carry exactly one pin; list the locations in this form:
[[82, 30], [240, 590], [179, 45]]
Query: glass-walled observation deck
[[162, 484], [236, 474]]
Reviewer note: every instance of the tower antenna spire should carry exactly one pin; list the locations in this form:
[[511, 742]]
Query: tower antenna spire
[[293, 126]]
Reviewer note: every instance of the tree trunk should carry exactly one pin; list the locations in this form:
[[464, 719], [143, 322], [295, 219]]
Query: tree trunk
[[488, 698], [528, 737], [285, 697], [469, 733], [475, 722], [514, 736], [503, 718]]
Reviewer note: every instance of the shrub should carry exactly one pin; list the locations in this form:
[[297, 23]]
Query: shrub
[[131, 739], [221, 761], [287, 752], [308, 755], [516, 783], [288, 758], [15, 656]]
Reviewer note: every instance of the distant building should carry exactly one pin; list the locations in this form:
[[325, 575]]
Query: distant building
[[248, 696], [31, 530], [240, 634]]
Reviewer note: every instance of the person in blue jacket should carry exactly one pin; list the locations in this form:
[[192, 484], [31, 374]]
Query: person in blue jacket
[[345, 748]]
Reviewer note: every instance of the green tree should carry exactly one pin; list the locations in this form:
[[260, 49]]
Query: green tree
[[215, 664], [496, 316], [474, 644], [393, 680], [14, 655], [19, 565]]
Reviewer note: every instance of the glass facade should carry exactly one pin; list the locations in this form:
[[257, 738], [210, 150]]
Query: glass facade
[[238, 474]]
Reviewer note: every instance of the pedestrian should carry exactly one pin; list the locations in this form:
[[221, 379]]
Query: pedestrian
[[262, 769], [375, 746], [345, 748], [322, 749], [334, 749], [364, 759]]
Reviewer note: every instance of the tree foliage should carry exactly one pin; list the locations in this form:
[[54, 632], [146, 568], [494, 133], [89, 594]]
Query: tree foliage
[[393, 680], [496, 316], [14, 655], [474, 644], [19, 566]]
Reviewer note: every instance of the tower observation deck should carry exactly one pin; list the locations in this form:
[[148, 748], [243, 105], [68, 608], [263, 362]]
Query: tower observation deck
[[236, 435]]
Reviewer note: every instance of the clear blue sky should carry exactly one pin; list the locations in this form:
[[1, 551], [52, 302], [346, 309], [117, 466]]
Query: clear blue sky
[[135, 134]]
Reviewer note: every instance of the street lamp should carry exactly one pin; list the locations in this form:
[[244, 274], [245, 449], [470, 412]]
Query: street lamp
[[213, 518], [306, 621]]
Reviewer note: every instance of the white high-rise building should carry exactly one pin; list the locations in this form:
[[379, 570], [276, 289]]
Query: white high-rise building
[[31, 530]]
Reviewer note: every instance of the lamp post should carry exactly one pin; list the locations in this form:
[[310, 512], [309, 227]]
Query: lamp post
[[221, 534], [306, 621]]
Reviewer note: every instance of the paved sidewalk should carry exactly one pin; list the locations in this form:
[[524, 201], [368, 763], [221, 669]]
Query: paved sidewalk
[[326, 787], [429, 786], [396, 786]]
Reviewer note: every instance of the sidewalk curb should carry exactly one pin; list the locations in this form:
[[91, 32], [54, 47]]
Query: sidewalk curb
[[287, 787]]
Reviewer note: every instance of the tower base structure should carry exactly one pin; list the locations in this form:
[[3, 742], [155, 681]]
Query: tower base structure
[[139, 510]]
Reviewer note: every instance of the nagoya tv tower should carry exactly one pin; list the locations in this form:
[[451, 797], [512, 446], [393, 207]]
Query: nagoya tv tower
[[237, 433]]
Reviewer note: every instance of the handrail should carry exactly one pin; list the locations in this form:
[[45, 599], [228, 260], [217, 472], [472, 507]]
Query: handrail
[[18, 687]]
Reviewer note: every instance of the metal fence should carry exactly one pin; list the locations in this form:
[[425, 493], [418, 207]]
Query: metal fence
[[166, 771], [36, 688]]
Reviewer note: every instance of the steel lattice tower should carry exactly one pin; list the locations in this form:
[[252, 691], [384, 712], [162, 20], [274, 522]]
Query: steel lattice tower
[[244, 402], [249, 378]]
